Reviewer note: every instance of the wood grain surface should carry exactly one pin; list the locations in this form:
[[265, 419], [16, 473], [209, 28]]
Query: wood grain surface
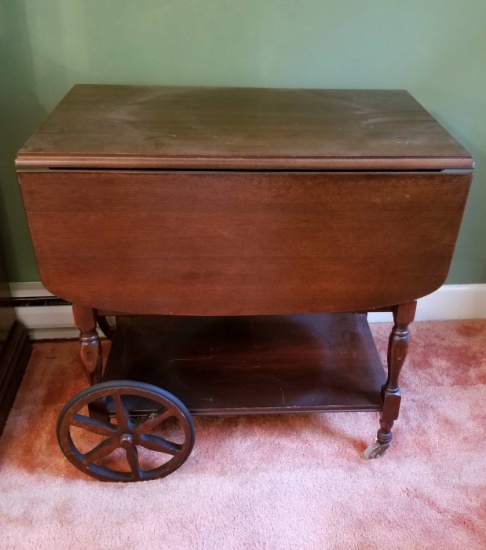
[[242, 243], [241, 128]]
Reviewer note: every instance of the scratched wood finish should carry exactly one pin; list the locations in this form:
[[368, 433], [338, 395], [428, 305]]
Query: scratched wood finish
[[249, 365], [240, 128], [241, 243]]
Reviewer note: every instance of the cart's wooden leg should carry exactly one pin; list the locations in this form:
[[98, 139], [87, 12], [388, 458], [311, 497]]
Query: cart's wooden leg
[[85, 320], [403, 315]]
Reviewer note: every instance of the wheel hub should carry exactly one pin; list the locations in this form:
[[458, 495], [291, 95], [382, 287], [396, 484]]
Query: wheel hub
[[126, 440]]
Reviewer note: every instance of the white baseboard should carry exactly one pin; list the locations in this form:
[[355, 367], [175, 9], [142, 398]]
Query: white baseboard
[[43, 322], [448, 303], [48, 322]]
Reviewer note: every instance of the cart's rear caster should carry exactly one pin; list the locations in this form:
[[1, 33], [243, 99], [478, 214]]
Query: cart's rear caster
[[376, 450], [109, 449]]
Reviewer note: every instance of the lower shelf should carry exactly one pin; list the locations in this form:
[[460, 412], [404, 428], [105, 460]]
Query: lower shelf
[[252, 365]]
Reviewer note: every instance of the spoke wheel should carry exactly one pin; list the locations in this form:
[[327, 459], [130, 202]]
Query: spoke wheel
[[125, 448]]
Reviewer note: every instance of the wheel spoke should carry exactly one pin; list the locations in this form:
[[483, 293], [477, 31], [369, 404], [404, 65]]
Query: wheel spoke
[[121, 411], [132, 459], [151, 423], [159, 444], [100, 451], [93, 425]]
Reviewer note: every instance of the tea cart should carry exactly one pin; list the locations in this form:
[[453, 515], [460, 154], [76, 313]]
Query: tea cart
[[230, 242]]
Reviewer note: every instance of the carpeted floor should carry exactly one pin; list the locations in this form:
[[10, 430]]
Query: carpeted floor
[[275, 482]]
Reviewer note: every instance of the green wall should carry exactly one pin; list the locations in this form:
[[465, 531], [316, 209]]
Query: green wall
[[434, 48]]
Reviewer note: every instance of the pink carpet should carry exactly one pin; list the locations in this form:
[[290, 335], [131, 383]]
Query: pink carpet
[[276, 482]]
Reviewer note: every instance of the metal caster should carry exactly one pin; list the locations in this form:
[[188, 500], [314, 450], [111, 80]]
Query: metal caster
[[376, 450], [122, 447]]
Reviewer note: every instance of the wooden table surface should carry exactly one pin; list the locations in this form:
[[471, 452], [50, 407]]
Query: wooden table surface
[[240, 128]]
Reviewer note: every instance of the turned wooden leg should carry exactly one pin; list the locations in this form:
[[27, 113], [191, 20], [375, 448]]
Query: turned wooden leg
[[85, 320], [403, 315]]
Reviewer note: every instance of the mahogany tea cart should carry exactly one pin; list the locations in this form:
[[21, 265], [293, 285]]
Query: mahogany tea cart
[[230, 242]]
